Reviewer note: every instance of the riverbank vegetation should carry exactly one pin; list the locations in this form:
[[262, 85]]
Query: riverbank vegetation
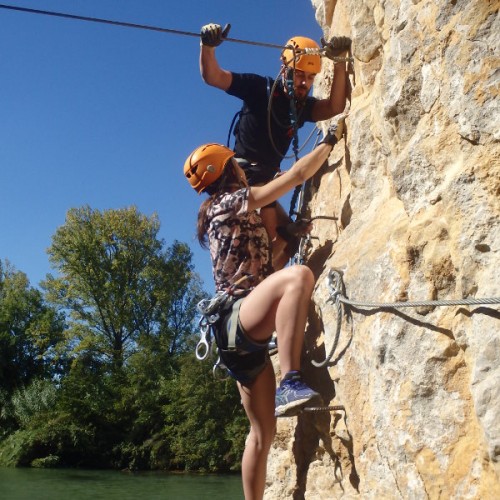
[[97, 366]]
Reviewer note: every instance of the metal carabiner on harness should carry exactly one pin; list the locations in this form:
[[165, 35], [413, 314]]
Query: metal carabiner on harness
[[204, 346], [219, 370], [209, 310]]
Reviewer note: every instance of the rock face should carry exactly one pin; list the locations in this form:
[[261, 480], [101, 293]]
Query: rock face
[[415, 187]]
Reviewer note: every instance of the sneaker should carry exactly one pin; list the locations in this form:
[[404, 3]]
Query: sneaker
[[292, 396]]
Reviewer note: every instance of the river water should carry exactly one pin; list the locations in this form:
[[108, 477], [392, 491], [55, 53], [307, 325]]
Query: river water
[[76, 484]]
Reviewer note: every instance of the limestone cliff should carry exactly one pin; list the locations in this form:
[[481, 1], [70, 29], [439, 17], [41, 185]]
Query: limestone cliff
[[415, 186]]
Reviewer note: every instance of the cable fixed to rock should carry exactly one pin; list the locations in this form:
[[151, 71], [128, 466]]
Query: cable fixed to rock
[[334, 283], [335, 286], [128, 25], [146, 27]]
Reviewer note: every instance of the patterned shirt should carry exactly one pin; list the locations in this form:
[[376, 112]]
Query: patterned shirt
[[238, 241]]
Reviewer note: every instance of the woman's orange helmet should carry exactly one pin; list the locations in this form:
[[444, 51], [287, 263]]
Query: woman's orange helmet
[[311, 63], [206, 164]]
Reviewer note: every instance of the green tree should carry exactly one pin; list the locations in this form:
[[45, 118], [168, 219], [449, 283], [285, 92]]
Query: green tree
[[131, 312], [46, 435], [31, 332], [119, 284], [204, 420]]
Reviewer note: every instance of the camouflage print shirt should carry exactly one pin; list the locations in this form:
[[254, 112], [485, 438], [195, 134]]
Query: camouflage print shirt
[[238, 241]]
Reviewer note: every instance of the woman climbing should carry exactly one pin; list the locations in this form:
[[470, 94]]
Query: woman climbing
[[262, 301]]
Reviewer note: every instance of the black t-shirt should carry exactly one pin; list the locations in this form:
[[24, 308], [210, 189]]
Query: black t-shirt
[[251, 131]]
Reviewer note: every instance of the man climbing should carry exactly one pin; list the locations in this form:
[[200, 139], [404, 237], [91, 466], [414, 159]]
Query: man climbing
[[263, 137]]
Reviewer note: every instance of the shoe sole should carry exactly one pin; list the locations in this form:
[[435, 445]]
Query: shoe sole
[[293, 408]]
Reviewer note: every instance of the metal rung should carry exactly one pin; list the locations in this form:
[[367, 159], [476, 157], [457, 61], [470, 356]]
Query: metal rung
[[324, 408]]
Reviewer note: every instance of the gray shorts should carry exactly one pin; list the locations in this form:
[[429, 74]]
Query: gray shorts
[[248, 357]]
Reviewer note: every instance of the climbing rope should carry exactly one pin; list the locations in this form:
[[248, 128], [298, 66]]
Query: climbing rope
[[335, 286], [288, 84]]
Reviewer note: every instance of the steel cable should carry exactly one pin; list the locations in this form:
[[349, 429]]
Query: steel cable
[[335, 286]]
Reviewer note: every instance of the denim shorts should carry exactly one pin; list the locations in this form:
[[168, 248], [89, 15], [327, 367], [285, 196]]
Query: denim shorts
[[249, 357]]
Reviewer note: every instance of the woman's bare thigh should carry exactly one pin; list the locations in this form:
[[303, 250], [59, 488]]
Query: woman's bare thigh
[[258, 309]]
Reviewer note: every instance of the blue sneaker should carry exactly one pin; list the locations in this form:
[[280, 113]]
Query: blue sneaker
[[293, 395]]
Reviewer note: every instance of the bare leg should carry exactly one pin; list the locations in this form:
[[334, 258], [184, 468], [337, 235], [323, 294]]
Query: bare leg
[[280, 303], [258, 401]]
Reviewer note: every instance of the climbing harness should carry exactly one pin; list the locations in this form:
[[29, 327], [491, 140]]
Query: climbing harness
[[210, 311], [336, 288]]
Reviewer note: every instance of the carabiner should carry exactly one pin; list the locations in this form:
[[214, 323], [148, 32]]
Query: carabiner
[[219, 366], [203, 347]]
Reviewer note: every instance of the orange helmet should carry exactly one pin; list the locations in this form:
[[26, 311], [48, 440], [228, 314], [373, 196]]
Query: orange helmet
[[205, 165], [310, 63]]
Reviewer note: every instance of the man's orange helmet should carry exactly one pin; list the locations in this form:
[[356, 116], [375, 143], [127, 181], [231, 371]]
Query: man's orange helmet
[[205, 165], [311, 63]]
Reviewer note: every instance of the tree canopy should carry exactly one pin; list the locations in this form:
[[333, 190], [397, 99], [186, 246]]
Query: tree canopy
[[97, 368], [31, 332], [120, 286]]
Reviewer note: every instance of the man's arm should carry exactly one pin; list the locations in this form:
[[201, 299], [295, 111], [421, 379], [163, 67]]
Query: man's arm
[[210, 70], [212, 35], [326, 108]]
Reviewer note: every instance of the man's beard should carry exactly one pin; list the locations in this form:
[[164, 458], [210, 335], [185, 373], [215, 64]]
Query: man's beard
[[301, 92]]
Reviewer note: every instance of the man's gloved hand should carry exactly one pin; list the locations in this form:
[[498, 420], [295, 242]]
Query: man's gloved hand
[[212, 35], [335, 132], [336, 47]]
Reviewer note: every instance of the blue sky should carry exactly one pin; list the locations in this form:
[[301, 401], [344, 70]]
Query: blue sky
[[100, 115]]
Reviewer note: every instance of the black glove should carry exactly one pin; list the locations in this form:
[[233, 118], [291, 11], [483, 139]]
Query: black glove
[[336, 47], [212, 35], [335, 132]]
